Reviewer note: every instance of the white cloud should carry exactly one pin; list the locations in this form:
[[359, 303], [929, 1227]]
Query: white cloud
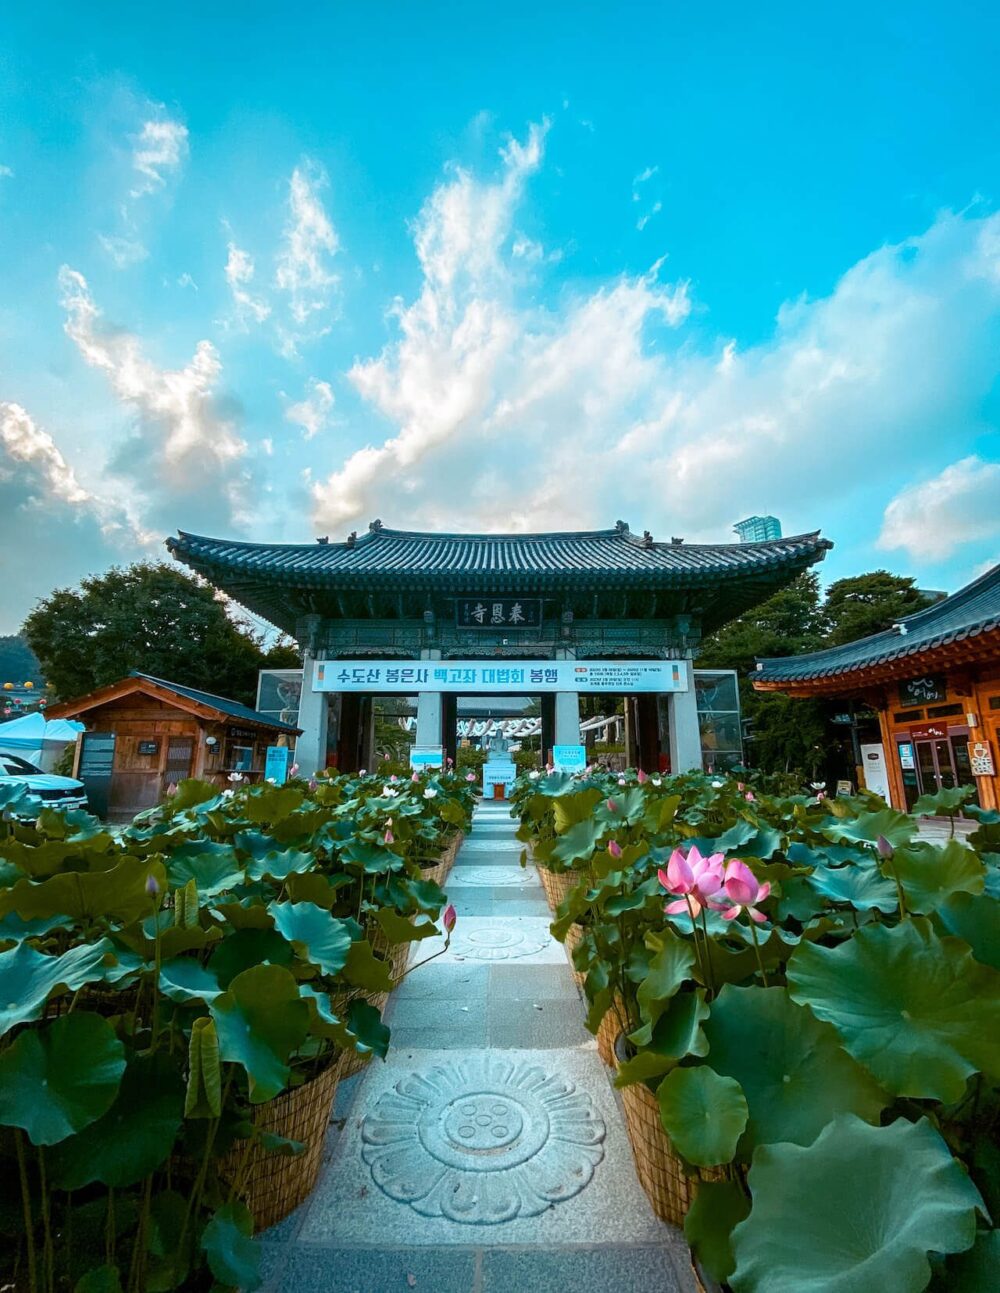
[[933, 518], [240, 271], [6, 173], [159, 149], [52, 529], [123, 251], [184, 454], [509, 414], [312, 413], [644, 220], [310, 241]]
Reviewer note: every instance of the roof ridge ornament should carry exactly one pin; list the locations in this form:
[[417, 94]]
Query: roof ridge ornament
[[647, 539], [324, 539], [352, 538], [622, 527], [374, 526]]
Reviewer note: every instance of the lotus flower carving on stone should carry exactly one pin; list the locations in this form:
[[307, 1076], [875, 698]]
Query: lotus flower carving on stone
[[483, 1140]]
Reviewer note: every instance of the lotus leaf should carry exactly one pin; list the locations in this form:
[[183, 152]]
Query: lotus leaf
[[860, 1208], [398, 929], [918, 1011], [976, 919], [375, 859], [203, 1097], [363, 969], [28, 978], [184, 980], [716, 1209], [117, 894], [102, 1279], [929, 875], [272, 803], [233, 1257], [678, 1032], [135, 1135], [578, 842], [861, 885], [670, 967], [975, 1271], [702, 1113], [792, 1069], [567, 810], [896, 827], [366, 1024], [246, 948], [280, 865], [261, 1021], [317, 937], [190, 794], [58, 1079], [946, 802], [213, 867]]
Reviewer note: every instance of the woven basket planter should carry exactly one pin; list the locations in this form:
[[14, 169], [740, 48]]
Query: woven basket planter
[[573, 939], [661, 1173], [272, 1185], [607, 1033], [559, 886]]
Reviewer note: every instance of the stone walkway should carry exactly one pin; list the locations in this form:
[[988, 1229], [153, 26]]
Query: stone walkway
[[488, 1154]]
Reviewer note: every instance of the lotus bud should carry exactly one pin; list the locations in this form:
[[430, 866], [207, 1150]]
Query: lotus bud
[[152, 886], [415, 777], [389, 837], [885, 849], [293, 771], [740, 786], [313, 783], [621, 781], [615, 849], [749, 796], [363, 772], [641, 777], [448, 918], [612, 806], [172, 790], [470, 776]]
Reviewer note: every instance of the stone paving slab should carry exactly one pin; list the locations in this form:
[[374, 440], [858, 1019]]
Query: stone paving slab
[[309, 1268], [606, 1269], [445, 982], [417, 1119], [516, 876], [525, 939], [497, 902]]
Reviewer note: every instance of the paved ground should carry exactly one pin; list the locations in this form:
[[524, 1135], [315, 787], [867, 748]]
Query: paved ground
[[488, 1154]]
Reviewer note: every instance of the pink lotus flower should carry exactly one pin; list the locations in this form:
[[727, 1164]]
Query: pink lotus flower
[[393, 778], [749, 796], [470, 776], [641, 777], [293, 771], [415, 777], [615, 849], [612, 806], [697, 879], [172, 790], [744, 891], [389, 838], [621, 781], [313, 783], [448, 917]]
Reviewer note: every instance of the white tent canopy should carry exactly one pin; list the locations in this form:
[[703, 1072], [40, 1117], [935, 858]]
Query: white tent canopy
[[36, 738]]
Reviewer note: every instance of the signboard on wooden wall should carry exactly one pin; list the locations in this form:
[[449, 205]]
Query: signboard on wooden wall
[[919, 691], [981, 759], [498, 612]]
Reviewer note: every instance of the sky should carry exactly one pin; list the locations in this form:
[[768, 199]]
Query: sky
[[272, 272]]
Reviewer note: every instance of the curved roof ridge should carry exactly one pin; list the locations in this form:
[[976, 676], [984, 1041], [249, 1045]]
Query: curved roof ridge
[[944, 605]]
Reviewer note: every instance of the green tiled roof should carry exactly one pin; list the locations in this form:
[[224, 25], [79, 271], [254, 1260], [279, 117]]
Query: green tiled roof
[[233, 708], [279, 580], [966, 615]]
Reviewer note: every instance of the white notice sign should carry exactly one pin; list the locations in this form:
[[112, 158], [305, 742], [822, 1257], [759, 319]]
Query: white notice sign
[[569, 758], [618, 677]]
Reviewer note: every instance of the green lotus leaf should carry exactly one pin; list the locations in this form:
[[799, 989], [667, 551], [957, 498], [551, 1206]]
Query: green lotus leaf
[[677, 1033], [374, 859], [14, 929], [798, 900], [976, 919], [102, 1279], [28, 978], [247, 948], [946, 802], [975, 1271], [310, 886], [317, 937], [669, 968], [248, 913], [271, 803], [323, 1022], [860, 1208], [191, 793], [398, 929], [794, 1073], [733, 839], [929, 875], [261, 1021], [169, 1262], [918, 1011], [203, 1096], [184, 980], [567, 810], [58, 1079], [578, 842], [214, 868], [427, 894], [363, 969], [370, 1034], [118, 894], [861, 886], [280, 865], [136, 1134], [233, 1257], [717, 1208], [702, 1113], [896, 827]]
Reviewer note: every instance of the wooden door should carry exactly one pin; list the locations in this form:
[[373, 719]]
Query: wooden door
[[178, 763]]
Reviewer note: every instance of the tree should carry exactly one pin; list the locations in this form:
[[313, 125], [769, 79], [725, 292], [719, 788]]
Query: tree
[[18, 663], [152, 617], [865, 604]]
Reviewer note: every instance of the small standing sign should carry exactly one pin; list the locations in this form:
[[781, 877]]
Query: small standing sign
[[276, 764]]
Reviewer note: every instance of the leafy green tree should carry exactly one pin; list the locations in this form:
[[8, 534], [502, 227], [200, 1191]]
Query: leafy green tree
[[18, 663], [865, 604], [152, 617]]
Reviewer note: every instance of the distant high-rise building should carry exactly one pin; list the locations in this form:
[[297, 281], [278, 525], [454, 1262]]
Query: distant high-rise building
[[758, 529]]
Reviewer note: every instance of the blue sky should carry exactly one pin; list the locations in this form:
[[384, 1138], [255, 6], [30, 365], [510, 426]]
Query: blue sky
[[273, 273]]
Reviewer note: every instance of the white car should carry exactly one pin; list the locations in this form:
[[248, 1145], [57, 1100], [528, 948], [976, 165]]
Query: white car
[[53, 791]]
